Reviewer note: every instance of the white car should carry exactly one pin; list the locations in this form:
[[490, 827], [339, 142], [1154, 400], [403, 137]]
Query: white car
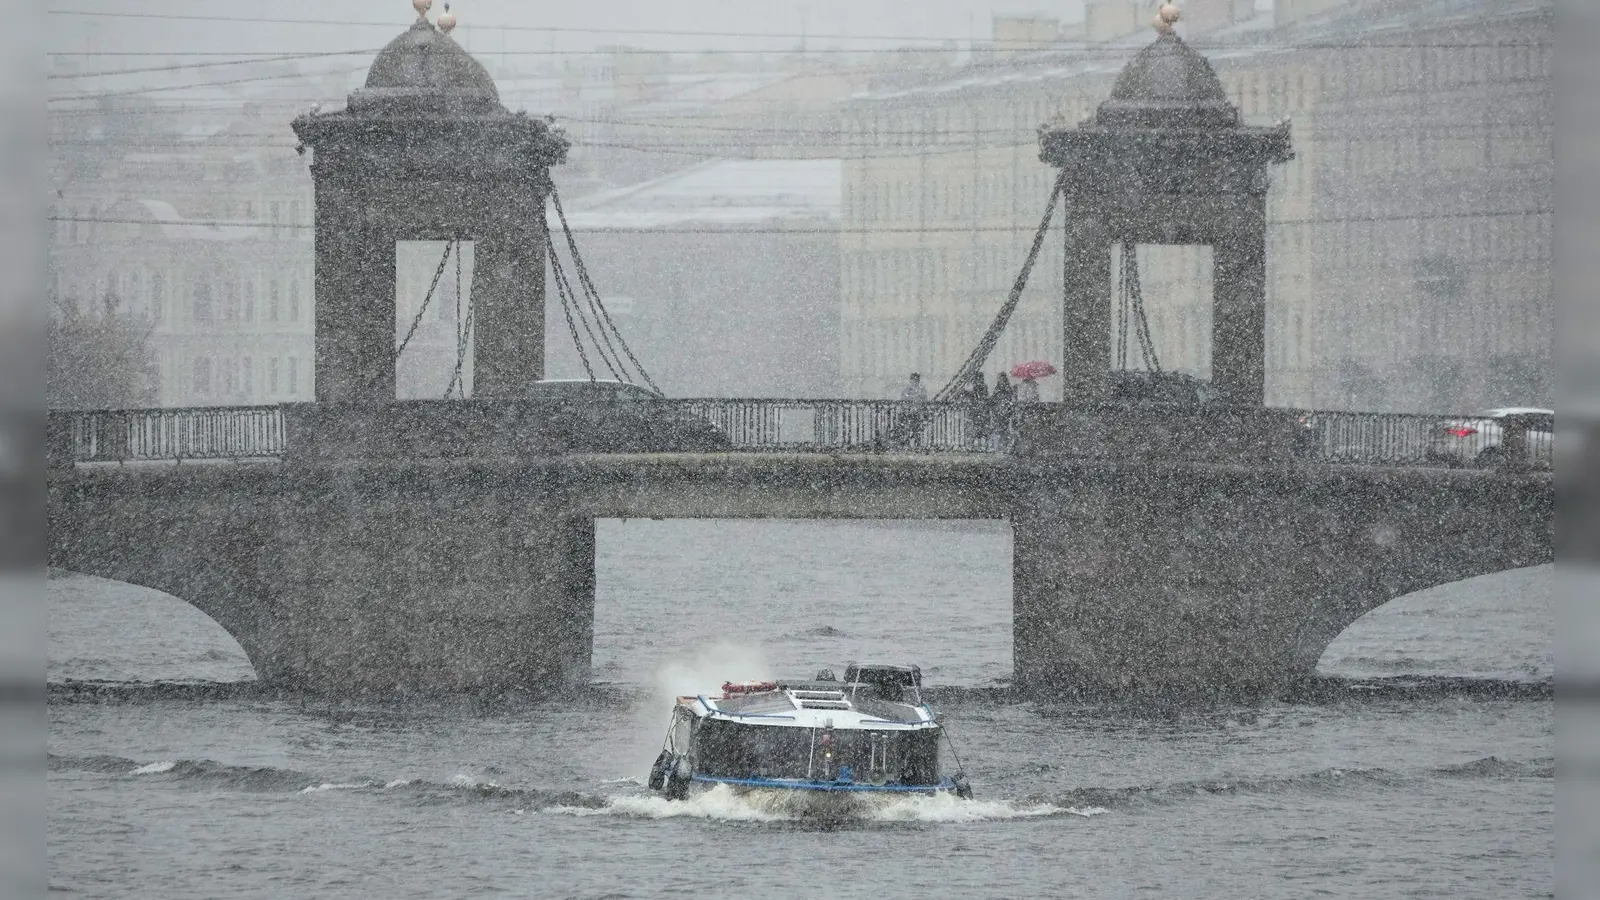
[[1477, 440]]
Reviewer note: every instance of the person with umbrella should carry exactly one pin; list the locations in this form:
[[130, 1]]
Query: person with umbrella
[[1030, 373]]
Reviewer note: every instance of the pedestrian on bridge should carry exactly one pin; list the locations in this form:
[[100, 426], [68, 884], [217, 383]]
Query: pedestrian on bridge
[[1000, 406], [910, 418], [975, 398], [914, 391]]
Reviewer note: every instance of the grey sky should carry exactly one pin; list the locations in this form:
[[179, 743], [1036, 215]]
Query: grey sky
[[482, 20]]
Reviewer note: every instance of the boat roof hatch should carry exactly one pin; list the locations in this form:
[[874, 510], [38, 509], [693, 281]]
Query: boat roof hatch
[[909, 676]]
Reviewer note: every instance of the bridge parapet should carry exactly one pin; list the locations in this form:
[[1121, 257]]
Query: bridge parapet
[[432, 429]]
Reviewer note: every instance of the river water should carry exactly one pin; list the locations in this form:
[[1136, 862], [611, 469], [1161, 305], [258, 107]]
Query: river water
[[1436, 789]]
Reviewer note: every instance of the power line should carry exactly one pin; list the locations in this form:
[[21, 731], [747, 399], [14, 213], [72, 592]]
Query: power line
[[1044, 52], [206, 65], [200, 84], [835, 137], [543, 29]]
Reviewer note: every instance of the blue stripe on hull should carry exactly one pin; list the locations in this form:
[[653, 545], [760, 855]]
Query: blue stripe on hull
[[942, 786]]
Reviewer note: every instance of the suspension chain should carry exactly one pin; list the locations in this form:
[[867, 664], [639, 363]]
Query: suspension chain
[[566, 306], [458, 383], [1147, 345], [1124, 304], [438, 273], [986, 346], [612, 366], [593, 295]]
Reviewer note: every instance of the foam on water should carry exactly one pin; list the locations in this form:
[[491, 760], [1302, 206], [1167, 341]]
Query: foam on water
[[319, 788], [688, 672], [719, 803], [155, 768], [723, 803]]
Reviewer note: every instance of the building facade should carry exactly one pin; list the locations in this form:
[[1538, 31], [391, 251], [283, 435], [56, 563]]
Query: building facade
[[229, 306], [1409, 239], [723, 277]]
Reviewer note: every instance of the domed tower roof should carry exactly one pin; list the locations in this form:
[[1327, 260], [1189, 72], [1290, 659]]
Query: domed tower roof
[[425, 71], [1168, 85]]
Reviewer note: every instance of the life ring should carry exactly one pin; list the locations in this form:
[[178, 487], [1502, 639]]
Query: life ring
[[748, 687]]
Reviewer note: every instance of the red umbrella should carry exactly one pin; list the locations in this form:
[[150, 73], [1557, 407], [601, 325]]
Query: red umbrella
[[1036, 369]]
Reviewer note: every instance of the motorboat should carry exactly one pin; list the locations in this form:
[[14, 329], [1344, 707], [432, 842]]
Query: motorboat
[[872, 733]]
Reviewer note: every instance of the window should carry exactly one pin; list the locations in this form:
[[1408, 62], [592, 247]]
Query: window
[[294, 299], [201, 310], [202, 376], [272, 377], [247, 380], [272, 301], [294, 376], [230, 376], [248, 311]]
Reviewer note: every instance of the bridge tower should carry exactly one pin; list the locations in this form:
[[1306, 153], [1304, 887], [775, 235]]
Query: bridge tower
[[1166, 160], [426, 151]]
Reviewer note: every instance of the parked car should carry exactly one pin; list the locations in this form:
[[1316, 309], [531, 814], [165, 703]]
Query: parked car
[[614, 416], [1479, 439], [1137, 387]]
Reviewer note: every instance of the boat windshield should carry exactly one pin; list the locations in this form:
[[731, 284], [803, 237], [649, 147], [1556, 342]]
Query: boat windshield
[[727, 749]]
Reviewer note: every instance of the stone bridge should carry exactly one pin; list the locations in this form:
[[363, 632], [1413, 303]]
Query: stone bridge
[[1132, 576], [412, 547]]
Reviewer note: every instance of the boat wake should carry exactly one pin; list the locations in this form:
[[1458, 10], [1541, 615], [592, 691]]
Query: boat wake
[[723, 803]]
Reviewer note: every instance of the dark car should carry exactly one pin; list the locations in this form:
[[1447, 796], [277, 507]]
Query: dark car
[[613, 416], [1135, 387]]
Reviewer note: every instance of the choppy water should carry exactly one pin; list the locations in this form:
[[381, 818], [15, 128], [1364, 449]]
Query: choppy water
[[1436, 793]]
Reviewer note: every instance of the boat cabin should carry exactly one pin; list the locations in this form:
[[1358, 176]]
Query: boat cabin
[[871, 729]]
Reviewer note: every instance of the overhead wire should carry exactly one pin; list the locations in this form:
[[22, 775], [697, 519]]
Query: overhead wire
[[759, 35], [55, 76], [129, 92]]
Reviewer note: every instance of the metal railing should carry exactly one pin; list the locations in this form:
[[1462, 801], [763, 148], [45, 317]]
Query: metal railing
[[169, 435], [845, 425], [1427, 440], [834, 426]]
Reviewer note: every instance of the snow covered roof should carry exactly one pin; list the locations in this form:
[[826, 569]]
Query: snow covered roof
[[699, 90], [175, 227], [1374, 20], [720, 194]]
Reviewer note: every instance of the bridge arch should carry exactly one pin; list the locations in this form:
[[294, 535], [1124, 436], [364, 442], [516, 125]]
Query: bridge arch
[[1486, 624], [111, 630]]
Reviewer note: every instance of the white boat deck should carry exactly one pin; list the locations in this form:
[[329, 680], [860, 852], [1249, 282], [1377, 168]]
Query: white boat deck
[[797, 708]]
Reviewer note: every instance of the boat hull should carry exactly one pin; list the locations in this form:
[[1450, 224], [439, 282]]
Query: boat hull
[[829, 787], [818, 801]]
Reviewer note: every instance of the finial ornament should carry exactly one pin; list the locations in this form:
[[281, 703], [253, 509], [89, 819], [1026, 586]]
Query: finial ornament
[[1166, 18], [422, 7], [447, 20]]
